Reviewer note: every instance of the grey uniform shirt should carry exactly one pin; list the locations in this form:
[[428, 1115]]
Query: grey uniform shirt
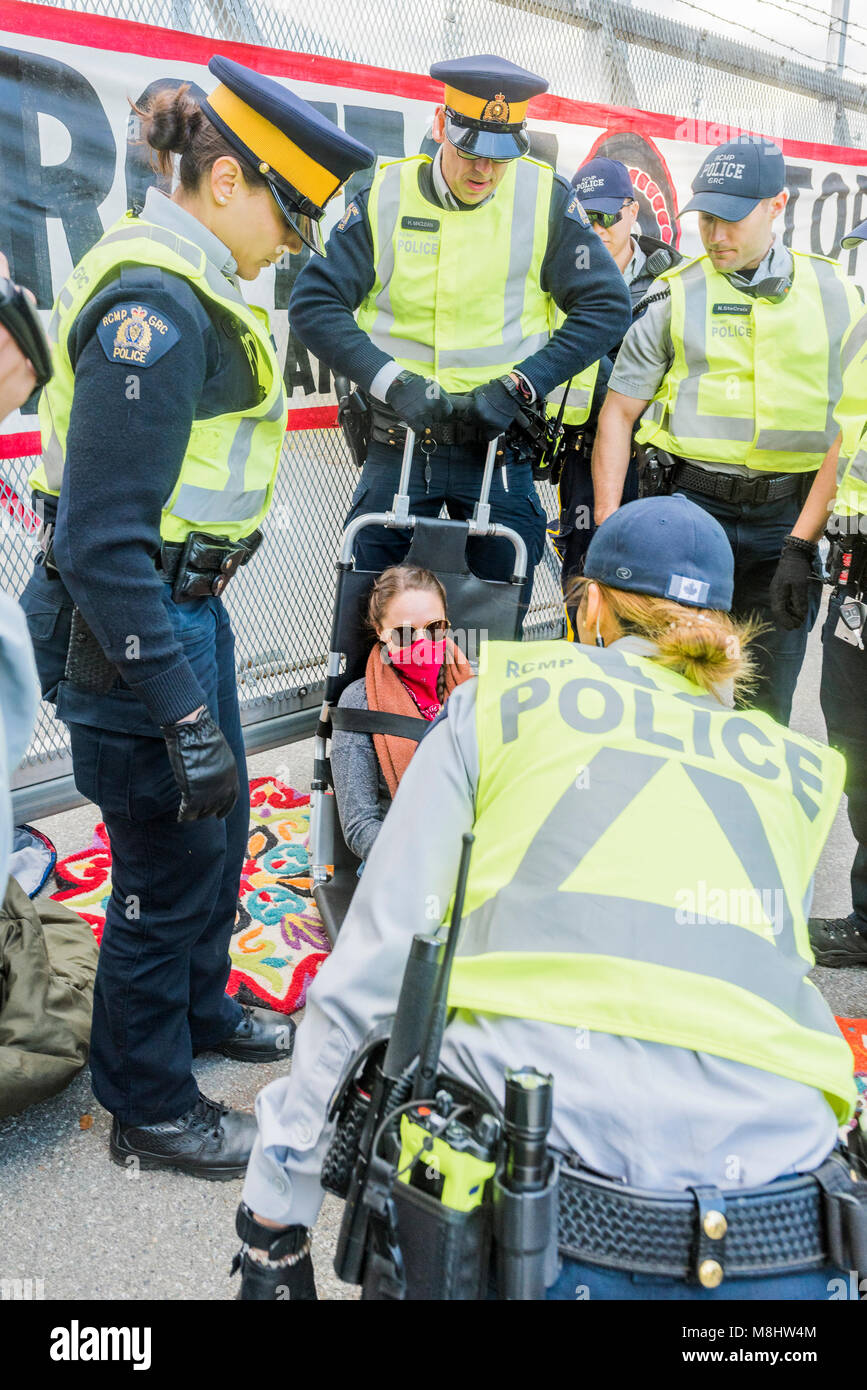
[[647, 352], [19, 701], [649, 1114]]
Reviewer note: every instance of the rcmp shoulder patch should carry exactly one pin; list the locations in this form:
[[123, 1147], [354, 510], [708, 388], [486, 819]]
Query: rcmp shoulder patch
[[351, 216], [575, 211], [136, 335]]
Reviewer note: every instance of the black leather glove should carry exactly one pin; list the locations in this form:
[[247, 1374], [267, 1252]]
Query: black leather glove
[[418, 401], [790, 586], [204, 767], [494, 407]]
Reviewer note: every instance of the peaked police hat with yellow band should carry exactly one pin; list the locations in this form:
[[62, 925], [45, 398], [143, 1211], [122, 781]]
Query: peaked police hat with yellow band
[[304, 157], [486, 102]]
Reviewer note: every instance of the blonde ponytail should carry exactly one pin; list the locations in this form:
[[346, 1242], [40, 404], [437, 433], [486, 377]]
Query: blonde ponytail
[[703, 644]]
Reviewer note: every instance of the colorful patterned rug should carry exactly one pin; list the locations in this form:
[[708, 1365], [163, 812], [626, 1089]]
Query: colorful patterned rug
[[278, 942]]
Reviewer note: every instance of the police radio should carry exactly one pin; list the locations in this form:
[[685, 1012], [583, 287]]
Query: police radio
[[440, 1174]]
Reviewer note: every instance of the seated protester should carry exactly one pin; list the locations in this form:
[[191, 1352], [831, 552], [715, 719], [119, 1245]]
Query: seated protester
[[634, 924], [411, 670]]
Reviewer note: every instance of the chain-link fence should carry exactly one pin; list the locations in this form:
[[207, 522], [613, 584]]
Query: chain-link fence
[[597, 51]]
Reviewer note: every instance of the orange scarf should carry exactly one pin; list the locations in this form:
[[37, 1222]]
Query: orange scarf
[[386, 691]]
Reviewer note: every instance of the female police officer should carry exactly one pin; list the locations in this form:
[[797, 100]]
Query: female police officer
[[634, 924], [162, 432]]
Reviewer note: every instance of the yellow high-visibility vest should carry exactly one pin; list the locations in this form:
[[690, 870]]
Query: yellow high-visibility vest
[[851, 416], [226, 479], [753, 382], [653, 884], [456, 297]]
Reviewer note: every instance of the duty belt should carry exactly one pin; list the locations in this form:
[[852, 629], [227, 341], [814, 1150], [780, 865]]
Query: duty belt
[[704, 1234], [729, 487], [386, 428]]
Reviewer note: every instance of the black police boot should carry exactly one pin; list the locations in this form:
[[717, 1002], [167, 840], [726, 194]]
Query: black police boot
[[289, 1271], [837, 941], [261, 1036], [209, 1141]]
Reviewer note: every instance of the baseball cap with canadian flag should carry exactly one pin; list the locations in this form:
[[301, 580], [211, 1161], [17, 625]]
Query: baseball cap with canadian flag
[[666, 546]]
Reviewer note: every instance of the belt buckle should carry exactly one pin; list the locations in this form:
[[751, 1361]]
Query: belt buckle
[[846, 1227]]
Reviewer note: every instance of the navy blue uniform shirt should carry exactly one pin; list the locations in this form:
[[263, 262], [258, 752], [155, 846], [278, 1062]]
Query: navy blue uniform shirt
[[577, 272], [128, 433]]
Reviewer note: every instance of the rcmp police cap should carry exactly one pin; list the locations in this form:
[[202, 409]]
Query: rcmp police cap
[[304, 156], [603, 185], [486, 102], [855, 237], [735, 178], [666, 546]]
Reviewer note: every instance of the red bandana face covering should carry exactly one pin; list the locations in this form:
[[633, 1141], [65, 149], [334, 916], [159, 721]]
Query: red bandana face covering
[[418, 667]]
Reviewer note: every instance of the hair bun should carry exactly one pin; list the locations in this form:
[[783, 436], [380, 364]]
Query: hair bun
[[171, 120]]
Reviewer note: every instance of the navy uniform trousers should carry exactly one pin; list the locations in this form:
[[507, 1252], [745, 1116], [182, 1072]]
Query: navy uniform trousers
[[163, 963], [756, 532], [455, 478], [842, 693]]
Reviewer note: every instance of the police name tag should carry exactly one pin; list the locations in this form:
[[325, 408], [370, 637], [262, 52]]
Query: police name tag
[[733, 308], [850, 624], [419, 224]]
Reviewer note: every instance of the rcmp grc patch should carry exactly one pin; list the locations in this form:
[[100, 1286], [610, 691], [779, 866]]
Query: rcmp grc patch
[[576, 211], [136, 335], [351, 215]]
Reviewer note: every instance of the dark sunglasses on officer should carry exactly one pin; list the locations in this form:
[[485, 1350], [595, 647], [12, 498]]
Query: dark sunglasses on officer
[[608, 219]]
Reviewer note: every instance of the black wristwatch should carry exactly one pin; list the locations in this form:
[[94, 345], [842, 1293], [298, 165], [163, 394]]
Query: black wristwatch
[[519, 390]]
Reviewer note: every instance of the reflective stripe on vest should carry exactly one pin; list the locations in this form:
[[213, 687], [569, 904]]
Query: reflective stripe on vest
[[753, 385], [654, 884], [447, 301], [579, 393], [851, 416], [227, 475]]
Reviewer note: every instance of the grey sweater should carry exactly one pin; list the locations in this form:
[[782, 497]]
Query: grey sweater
[[361, 790]]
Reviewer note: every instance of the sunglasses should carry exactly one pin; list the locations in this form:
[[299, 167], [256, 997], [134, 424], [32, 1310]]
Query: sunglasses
[[403, 637], [607, 219]]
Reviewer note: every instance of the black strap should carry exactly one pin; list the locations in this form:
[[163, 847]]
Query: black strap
[[378, 721], [289, 1241]]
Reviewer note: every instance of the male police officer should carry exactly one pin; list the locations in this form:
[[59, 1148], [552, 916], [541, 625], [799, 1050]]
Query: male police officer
[[736, 374], [838, 501], [691, 1056], [608, 198], [456, 267]]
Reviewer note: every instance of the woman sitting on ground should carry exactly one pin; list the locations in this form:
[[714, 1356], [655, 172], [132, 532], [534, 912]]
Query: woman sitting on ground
[[412, 669]]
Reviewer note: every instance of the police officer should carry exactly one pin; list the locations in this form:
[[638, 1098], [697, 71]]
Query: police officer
[[609, 200], [671, 1005], [162, 431], [735, 374], [838, 502], [454, 268]]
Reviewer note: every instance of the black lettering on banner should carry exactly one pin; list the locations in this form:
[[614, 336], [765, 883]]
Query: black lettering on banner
[[139, 171], [798, 176], [512, 704], [382, 131], [858, 216], [833, 186], [32, 85]]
